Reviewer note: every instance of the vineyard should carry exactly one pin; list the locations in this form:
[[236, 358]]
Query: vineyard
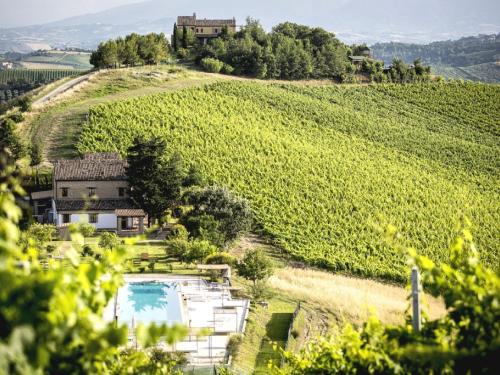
[[35, 75], [16, 82], [325, 167]]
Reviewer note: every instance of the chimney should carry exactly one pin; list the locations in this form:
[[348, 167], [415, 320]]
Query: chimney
[[194, 15]]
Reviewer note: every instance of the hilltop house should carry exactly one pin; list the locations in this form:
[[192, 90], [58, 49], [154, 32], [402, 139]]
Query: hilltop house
[[205, 29], [94, 190]]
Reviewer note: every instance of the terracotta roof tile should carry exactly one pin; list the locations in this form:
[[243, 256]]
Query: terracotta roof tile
[[93, 167], [94, 205]]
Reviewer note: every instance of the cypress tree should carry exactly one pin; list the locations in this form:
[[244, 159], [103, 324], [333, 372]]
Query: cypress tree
[[174, 38], [184, 37]]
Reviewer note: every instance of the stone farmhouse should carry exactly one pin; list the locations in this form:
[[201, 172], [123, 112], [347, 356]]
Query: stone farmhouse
[[93, 190], [205, 29]]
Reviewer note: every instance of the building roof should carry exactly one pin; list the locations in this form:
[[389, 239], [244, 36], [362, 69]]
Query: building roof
[[93, 167], [192, 21], [211, 23], [95, 205], [130, 212]]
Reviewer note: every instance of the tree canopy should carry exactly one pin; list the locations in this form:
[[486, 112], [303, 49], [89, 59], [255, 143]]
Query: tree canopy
[[132, 50]]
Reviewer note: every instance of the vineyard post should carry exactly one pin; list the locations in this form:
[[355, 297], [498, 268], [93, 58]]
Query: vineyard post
[[415, 294]]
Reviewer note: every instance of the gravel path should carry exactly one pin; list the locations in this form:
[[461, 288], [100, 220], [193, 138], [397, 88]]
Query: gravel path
[[62, 89]]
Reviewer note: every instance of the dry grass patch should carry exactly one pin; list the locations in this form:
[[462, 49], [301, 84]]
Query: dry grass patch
[[349, 298]]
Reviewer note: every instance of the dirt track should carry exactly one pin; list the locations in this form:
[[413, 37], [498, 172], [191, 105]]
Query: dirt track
[[63, 88]]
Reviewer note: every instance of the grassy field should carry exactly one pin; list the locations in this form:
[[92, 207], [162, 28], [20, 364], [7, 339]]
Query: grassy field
[[325, 167]]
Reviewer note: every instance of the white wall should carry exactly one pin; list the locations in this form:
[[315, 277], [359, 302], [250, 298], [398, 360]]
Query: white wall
[[104, 221]]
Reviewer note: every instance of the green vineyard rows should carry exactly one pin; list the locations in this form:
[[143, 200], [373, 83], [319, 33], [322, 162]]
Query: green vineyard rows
[[36, 76], [325, 167]]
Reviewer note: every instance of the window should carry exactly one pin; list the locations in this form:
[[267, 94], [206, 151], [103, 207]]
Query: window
[[121, 192], [91, 191], [93, 218], [216, 31], [197, 30], [65, 192], [66, 218], [202, 31]]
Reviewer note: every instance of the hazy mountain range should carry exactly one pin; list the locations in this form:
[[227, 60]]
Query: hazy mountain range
[[353, 21]]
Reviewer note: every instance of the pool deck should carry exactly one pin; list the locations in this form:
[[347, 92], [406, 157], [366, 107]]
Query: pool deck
[[204, 305]]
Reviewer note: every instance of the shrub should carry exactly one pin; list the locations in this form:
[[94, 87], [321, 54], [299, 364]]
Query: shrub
[[41, 233], [151, 265], [87, 230], [16, 117], [227, 69], [221, 258], [109, 241], [35, 152], [25, 103], [211, 65], [142, 269], [50, 249], [234, 344], [198, 250], [87, 251]]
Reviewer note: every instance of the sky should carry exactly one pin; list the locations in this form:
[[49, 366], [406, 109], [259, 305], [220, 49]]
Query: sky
[[14, 13]]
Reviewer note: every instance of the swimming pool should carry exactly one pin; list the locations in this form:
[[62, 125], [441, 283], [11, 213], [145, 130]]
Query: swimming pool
[[147, 302]]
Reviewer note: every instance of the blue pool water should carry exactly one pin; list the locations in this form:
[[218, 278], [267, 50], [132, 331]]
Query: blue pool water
[[149, 302]]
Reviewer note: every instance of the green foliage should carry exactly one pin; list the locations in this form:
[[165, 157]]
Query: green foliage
[[217, 215], [134, 49], [51, 321], [320, 165], [40, 234], [9, 140], [189, 251], [255, 266], [290, 51], [197, 251], [25, 103], [211, 65], [87, 230], [221, 258], [155, 180], [234, 344], [464, 341], [35, 152], [109, 241], [87, 251]]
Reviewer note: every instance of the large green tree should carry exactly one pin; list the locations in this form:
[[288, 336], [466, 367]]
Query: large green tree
[[155, 178], [217, 215]]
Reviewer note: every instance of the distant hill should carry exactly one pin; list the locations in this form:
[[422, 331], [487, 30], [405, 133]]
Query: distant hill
[[354, 21], [474, 58]]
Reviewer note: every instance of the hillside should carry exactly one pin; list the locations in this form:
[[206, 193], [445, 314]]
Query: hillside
[[323, 166], [472, 58]]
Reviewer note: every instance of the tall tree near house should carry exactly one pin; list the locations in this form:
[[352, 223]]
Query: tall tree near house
[[184, 37], [175, 36], [155, 180]]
